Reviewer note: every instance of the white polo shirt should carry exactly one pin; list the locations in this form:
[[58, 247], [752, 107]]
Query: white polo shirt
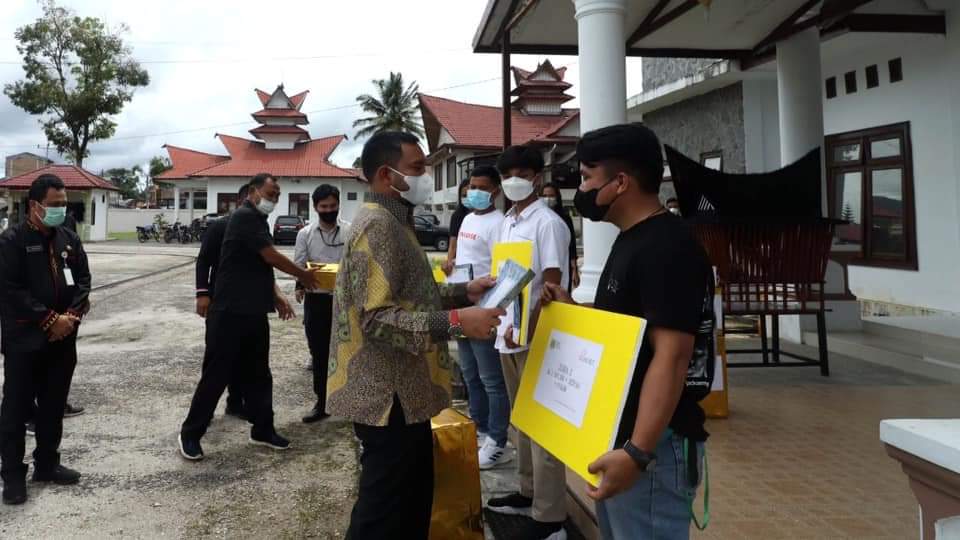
[[478, 234], [551, 249]]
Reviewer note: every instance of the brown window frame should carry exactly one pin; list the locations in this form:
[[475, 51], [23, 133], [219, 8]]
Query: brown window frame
[[865, 165], [451, 173], [710, 155]]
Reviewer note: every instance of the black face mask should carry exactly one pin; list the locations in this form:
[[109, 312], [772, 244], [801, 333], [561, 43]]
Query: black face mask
[[586, 203], [329, 217]]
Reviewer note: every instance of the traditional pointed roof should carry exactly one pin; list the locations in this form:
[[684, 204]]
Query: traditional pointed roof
[[542, 90], [73, 177], [481, 126]]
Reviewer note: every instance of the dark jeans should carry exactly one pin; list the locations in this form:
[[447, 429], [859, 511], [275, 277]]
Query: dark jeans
[[44, 375], [237, 343], [396, 480], [317, 320]]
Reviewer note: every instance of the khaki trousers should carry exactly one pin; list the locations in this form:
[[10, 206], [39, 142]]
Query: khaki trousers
[[542, 477]]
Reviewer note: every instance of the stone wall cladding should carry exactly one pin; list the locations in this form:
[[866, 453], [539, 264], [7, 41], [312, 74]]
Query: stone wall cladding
[[660, 71], [713, 121]]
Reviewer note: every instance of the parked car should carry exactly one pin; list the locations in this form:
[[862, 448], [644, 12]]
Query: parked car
[[432, 218], [430, 234], [285, 229]]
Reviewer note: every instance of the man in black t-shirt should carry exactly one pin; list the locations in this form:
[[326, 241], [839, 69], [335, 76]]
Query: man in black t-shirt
[[238, 333], [656, 270]]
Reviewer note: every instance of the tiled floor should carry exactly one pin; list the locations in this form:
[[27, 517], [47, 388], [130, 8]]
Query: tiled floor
[[800, 456]]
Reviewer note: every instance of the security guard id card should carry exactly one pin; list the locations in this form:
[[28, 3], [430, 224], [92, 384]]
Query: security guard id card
[[68, 276]]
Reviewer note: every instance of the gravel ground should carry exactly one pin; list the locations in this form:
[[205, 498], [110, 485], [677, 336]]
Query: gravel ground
[[140, 351]]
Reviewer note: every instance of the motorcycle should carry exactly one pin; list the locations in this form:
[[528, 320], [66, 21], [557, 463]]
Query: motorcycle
[[171, 233], [147, 232]]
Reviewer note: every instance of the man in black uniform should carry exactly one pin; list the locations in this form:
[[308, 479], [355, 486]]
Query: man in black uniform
[[207, 262], [44, 291], [238, 333]]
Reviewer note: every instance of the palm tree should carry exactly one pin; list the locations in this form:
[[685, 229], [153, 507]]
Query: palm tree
[[394, 109]]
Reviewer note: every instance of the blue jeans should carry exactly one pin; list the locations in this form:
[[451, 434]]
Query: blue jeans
[[483, 375], [658, 505]]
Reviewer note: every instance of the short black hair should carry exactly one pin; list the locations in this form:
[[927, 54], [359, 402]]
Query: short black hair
[[242, 192], [44, 183], [384, 148], [520, 157], [488, 171], [632, 148], [260, 179], [324, 191]]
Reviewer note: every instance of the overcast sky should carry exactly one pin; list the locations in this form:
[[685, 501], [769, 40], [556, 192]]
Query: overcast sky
[[205, 57]]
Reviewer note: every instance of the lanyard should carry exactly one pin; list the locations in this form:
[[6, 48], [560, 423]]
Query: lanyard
[[335, 244]]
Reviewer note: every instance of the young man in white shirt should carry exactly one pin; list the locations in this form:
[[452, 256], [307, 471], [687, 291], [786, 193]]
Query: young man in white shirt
[[542, 492], [320, 242], [478, 358]]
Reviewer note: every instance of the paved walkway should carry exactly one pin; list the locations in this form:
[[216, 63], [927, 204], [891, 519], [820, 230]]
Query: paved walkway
[[800, 455]]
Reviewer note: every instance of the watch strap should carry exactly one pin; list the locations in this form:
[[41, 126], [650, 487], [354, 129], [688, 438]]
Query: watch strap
[[642, 458]]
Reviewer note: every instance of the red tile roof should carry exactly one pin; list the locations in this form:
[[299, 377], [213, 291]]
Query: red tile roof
[[292, 130], [186, 161], [73, 177], [482, 126], [308, 159], [297, 100], [264, 96]]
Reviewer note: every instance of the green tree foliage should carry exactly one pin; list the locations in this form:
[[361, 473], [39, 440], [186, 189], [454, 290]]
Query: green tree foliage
[[78, 74], [130, 182], [394, 108]]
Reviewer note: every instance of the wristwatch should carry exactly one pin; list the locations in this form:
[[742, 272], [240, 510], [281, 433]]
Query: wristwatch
[[643, 459], [456, 329]]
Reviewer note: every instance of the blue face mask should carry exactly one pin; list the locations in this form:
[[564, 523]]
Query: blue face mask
[[54, 215], [478, 199]]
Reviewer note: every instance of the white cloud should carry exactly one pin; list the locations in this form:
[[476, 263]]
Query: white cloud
[[218, 51]]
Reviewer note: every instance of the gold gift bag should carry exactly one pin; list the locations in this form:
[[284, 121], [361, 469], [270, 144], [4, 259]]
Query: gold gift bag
[[326, 274], [457, 509]]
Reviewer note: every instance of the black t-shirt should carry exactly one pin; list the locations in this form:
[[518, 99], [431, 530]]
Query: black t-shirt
[[456, 220], [244, 281], [658, 270]]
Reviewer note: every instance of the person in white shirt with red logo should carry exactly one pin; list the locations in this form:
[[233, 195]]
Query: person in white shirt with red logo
[[479, 359], [543, 489]]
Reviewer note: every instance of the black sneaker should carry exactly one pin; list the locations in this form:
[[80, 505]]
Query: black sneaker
[[31, 428], [273, 441], [15, 492], [514, 504], [541, 530], [190, 448], [315, 415], [60, 475], [72, 410]]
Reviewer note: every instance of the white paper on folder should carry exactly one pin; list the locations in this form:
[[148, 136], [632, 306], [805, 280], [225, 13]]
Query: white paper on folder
[[566, 377]]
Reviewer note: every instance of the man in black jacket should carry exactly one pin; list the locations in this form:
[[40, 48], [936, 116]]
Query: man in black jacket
[[44, 292], [207, 262]]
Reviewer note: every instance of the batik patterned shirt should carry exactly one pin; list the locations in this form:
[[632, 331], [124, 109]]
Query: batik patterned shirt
[[390, 326]]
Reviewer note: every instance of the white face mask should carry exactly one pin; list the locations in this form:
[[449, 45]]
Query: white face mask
[[421, 187], [265, 206], [517, 189]]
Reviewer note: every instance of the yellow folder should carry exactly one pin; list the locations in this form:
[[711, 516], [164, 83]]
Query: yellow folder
[[575, 383], [522, 254]]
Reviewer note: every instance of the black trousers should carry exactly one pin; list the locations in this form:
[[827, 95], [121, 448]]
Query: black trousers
[[44, 375], [234, 397], [396, 480], [237, 343], [317, 321]]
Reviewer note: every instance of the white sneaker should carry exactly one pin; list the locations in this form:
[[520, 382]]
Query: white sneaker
[[481, 438], [492, 455]]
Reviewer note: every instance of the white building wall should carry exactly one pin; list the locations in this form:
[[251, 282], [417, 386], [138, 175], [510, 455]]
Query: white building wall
[[928, 99], [98, 231]]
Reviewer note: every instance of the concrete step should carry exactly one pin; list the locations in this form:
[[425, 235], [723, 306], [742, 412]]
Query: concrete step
[[905, 355]]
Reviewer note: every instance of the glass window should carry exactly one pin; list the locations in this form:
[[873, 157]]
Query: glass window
[[300, 205], [351, 195], [226, 202], [452, 172], [845, 153], [874, 193], [885, 148], [848, 207], [712, 160], [887, 230], [437, 177]]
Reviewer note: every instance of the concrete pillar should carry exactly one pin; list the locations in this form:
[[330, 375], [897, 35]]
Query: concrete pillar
[[190, 204], [800, 104], [601, 36], [176, 204]]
